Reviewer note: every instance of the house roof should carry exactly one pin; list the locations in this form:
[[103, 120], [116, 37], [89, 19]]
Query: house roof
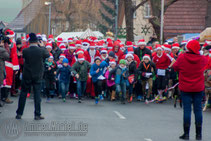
[[26, 15], [185, 16]]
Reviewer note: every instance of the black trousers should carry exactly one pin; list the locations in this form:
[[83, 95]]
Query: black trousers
[[98, 85], [25, 88], [4, 93]]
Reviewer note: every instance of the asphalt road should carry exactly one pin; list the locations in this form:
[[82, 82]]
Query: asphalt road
[[106, 121]]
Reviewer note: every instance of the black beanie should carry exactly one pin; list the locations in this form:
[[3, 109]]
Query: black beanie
[[33, 38], [112, 54]]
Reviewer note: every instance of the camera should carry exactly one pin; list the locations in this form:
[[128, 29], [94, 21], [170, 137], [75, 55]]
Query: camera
[[3, 37]]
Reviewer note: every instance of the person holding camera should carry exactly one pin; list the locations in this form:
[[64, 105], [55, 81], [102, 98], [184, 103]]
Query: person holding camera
[[33, 70]]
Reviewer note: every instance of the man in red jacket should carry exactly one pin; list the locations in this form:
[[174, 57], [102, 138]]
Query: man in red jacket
[[190, 66]]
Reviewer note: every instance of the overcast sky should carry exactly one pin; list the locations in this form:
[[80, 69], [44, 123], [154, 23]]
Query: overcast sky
[[9, 9]]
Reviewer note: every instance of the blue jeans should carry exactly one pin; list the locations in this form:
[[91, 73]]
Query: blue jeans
[[64, 88], [81, 87], [188, 99], [121, 88]]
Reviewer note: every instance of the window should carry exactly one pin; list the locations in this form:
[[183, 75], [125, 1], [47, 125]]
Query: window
[[147, 10]]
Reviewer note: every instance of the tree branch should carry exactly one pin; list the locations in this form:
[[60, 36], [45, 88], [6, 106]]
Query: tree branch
[[140, 4], [168, 4]]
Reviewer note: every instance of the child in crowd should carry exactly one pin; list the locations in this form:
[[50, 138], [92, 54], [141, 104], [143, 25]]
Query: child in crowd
[[111, 83], [132, 74], [49, 76], [97, 78], [80, 70], [63, 75], [121, 75], [146, 69]]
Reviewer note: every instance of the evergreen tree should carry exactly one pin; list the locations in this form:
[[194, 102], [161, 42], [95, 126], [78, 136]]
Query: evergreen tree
[[107, 14]]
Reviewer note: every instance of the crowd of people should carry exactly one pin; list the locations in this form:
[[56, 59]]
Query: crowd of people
[[100, 69], [104, 69]]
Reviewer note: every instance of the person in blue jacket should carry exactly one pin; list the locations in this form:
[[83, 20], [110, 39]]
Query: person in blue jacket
[[96, 72], [63, 75]]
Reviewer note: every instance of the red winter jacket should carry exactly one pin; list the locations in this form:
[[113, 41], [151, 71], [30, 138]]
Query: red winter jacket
[[191, 72]]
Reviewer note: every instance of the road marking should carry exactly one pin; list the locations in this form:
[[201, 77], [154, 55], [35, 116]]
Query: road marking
[[146, 139], [119, 115]]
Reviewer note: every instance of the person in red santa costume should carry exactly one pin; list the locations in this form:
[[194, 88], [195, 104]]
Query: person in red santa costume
[[117, 51], [90, 55], [11, 66], [104, 54], [135, 57]]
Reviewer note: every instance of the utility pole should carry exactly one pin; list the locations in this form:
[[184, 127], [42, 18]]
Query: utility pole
[[49, 22], [161, 24], [116, 18]]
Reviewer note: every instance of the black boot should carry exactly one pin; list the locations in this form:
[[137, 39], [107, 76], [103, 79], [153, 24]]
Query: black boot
[[186, 128], [198, 131]]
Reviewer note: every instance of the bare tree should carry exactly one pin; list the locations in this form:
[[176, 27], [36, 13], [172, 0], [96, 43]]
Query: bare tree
[[155, 20]]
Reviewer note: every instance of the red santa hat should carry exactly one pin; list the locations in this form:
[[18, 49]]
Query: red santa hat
[[175, 46], [110, 45], [50, 36], [92, 45], [103, 50], [109, 40], [100, 44], [48, 45], [39, 35], [193, 46], [70, 40], [78, 43], [208, 42], [158, 47], [130, 50], [71, 46], [149, 47], [141, 42], [80, 51], [184, 42], [167, 47], [59, 40], [51, 56], [62, 46], [10, 33], [129, 44], [112, 61], [129, 55], [62, 56], [23, 38], [27, 37], [85, 42], [81, 57], [146, 56]]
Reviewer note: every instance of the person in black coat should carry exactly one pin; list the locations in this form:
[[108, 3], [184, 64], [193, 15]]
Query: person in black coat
[[141, 50], [33, 70], [132, 74], [56, 51]]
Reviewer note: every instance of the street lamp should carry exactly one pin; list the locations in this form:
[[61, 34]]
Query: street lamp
[[49, 24], [116, 19], [161, 20]]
